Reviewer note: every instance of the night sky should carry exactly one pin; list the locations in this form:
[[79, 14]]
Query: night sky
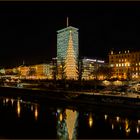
[[28, 30]]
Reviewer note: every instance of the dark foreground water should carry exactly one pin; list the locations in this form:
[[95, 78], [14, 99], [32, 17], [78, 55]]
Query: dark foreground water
[[25, 119]]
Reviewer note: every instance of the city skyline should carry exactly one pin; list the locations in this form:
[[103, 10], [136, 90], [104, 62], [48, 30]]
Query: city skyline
[[29, 30]]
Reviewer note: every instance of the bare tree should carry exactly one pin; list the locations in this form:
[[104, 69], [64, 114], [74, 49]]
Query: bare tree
[[63, 73], [54, 68], [104, 71], [80, 70]]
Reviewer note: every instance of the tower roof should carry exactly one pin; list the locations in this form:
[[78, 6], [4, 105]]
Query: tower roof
[[67, 28]]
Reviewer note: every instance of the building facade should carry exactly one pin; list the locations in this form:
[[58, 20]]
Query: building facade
[[90, 67], [68, 51], [125, 64]]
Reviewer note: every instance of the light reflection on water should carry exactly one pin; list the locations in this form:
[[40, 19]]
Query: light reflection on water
[[137, 129], [12, 101], [105, 116], [127, 127], [32, 108], [71, 117], [90, 120], [36, 112], [68, 124], [18, 108]]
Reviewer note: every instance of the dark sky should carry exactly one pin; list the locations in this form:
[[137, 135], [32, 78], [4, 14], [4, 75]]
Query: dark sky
[[28, 30]]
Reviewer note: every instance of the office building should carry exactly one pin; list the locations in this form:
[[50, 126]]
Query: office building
[[90, 67], [68, 51]]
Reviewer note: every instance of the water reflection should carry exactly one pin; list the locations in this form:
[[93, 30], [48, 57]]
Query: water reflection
[[60, 117], [12, 101], [70, 123], [7, 100], [18, 108], [32, 108], [3, 101], [118, 118], [137, 129], [90, 120], [67, 123], [105, 116], [36, 112], [139, 122], [127, 128], [112, 126]]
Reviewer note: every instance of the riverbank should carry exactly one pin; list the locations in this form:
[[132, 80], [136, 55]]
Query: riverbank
[[75, 97]]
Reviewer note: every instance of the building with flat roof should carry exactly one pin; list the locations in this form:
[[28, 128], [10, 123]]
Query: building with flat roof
[[90, 66], [125, 64], [68, 51]]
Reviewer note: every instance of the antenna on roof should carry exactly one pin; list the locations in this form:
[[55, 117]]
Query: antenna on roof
[[23, 62], [67, 21]]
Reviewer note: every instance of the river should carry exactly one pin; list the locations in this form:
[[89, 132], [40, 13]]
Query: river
[[35, 119]]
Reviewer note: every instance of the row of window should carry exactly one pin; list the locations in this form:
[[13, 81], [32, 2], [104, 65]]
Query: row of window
[[120, 65], [124, 65], [134, 74]]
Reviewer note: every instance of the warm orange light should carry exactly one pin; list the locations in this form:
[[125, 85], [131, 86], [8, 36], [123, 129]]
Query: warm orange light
[[36, 112], [18, 108], [60, 117], [90, 121]]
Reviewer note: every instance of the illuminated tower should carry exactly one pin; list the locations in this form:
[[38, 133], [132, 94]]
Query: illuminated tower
[[68, 50], [70, 61]]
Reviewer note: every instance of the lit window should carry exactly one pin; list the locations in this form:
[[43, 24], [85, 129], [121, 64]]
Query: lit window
[[119, 65], [116, 65], [136, 64], [122, 64], [112, 65]]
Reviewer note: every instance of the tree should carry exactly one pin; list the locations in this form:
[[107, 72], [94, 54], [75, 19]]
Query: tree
[[54, 68], [105, 72], [63, 73], [80, 70]]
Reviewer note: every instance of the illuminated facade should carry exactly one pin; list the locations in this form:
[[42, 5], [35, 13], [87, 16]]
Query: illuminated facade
[[39, 71], [23, 70], [42, 71], [126, 64], [68, 51], [89, 68]]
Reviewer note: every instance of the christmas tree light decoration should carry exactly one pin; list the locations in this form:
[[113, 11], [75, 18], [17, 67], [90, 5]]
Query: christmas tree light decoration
[[70, 61]]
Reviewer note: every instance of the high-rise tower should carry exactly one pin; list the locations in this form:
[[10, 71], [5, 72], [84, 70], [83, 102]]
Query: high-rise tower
[[68, 50]]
